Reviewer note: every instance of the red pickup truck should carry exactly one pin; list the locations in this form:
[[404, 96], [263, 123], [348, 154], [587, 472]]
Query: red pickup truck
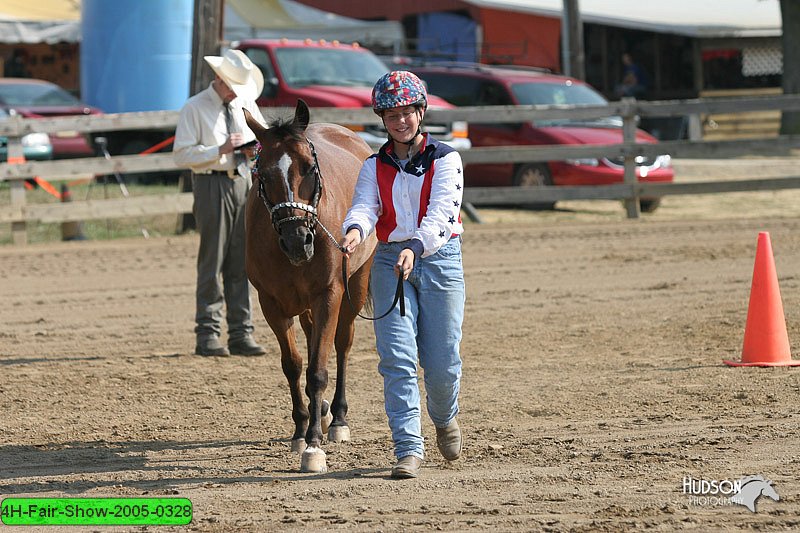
[[331, 74]]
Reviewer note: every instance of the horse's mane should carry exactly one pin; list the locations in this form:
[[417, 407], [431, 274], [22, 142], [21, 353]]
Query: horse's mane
[[283, 128]]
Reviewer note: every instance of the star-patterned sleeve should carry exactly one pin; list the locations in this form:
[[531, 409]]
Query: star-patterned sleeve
[[366, 206], [441, 220]]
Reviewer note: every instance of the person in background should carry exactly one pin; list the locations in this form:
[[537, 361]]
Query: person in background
[[409, 194], [634, 81], [211, 128], [16, 66]]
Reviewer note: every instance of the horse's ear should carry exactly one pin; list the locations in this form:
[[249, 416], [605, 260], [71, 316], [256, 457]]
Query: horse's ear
[[253, 124], [301, 114]]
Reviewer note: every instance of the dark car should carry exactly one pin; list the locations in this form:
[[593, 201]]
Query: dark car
[[41, 99], [483, 85]]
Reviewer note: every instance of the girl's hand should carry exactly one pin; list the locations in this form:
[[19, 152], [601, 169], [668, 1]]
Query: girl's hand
[[405, 263], [351, 239]]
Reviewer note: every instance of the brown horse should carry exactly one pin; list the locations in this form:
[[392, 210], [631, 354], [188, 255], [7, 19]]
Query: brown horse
[[302, 188]]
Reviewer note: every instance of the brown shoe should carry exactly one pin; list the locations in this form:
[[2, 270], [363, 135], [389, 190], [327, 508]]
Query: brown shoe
[[245, 346], [448, 439], [210, 346], [407, 467]]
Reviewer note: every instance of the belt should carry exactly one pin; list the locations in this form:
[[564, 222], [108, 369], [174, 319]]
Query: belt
[[232, 173]]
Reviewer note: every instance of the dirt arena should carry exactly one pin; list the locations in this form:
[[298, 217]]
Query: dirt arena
[[593, 384]]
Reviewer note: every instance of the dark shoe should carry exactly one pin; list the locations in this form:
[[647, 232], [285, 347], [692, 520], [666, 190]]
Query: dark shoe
[[245, 346], [407, 467], [448, 439], [210, 346]]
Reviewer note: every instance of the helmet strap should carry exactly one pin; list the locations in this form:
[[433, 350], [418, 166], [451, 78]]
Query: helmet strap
[[414, 138]]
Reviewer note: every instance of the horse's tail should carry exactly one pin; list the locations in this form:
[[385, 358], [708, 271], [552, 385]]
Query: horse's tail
[[369, 308]]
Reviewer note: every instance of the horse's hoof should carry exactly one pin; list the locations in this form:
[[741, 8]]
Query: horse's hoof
[[327, 416], [298, 445], [313, 460], [339, 434]]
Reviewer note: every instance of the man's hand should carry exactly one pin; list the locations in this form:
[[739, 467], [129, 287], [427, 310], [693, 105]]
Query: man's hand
[[234, 140]]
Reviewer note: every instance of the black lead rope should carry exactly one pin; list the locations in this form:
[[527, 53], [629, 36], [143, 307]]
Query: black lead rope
[[398, 294]]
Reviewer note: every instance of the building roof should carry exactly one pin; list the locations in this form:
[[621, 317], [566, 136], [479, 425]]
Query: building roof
[[693, 18]]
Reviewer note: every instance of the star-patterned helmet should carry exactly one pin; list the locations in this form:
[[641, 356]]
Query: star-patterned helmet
[[398, 88]]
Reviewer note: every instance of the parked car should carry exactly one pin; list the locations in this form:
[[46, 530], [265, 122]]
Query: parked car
[[332, 74], [35, 146], [483, 85], [33, 98]]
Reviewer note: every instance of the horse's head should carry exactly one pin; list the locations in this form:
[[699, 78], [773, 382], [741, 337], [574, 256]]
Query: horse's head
[[289, 182], [769, 491]]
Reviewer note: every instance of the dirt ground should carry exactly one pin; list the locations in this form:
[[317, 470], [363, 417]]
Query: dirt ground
[[593, 383]]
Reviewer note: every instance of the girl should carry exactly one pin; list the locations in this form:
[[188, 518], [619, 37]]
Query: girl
[[410, 193]]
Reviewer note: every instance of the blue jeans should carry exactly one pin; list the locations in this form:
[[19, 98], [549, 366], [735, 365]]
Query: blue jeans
[[430, 332]]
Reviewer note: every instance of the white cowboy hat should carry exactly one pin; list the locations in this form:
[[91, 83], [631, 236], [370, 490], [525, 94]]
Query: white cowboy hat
[[241, 75]]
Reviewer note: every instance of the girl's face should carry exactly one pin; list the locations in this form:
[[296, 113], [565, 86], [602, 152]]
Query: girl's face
[[402, 123]]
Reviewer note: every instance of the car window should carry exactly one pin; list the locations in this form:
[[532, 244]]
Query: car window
[[323, 66], [458, 90], [567, 93], [34, 94], [261, 60], [492, 93]]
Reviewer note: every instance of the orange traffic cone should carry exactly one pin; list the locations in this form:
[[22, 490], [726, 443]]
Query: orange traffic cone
[[766, 342]]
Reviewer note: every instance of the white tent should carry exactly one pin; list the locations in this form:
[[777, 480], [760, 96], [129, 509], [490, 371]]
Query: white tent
[[43, 21], [51, 21], [274, 19]]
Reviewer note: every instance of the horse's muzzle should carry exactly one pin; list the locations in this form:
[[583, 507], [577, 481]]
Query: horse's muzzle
[[298, 244]]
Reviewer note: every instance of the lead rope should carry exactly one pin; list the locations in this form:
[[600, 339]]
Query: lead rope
[[399, 294]]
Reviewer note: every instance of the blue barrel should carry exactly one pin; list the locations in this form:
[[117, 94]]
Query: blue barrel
[[136, 55]]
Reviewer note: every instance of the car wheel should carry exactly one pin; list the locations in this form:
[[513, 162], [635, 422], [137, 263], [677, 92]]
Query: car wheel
[[649, 205], [534, 175]]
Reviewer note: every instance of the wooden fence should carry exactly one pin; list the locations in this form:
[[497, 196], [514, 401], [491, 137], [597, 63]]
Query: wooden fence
[[19, 212]]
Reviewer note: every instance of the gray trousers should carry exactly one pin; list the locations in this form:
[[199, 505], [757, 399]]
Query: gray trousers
[[219, 212]]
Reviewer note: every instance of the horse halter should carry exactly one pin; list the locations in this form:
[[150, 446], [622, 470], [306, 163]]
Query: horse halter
[[310, 218]]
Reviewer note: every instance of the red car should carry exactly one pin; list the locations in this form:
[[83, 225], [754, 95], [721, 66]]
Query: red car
[[483, 85], [40, 99], [331, 74]]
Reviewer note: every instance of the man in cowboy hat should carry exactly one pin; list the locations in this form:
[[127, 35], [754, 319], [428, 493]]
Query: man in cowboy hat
[[210, 133]]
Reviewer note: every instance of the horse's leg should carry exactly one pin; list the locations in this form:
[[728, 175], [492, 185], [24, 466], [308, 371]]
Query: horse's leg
[[292, 364], [307, 323], [325, 313], [345, 331]]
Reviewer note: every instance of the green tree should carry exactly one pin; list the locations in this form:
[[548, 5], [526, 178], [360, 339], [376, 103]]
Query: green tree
[[790, 15]]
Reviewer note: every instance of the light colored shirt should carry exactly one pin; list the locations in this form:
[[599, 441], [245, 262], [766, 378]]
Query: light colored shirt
[[202, 130], [420, 200]]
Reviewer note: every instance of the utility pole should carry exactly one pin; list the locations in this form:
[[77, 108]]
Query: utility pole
[[206, 41], [572, 56]]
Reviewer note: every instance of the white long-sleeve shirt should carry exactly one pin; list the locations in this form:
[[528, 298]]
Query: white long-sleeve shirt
[[201, 130], [420, 202]]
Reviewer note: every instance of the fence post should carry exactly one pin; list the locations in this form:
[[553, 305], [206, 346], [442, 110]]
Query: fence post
[[695, 132], [16, 155], [629, 139]]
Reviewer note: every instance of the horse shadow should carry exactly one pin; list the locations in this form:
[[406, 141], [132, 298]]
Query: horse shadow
[[75, 467]]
